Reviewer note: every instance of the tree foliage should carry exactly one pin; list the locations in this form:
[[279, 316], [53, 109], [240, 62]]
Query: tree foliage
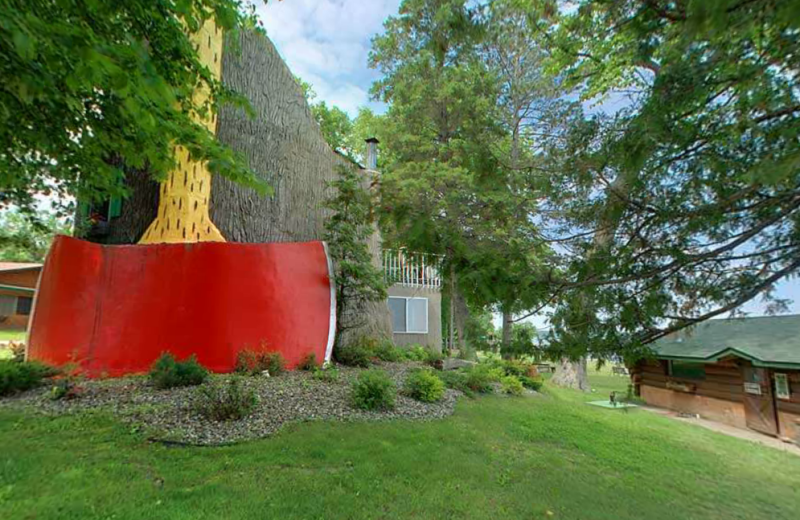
[[347, 233], [681, 204], [26, 240], [87, 86]]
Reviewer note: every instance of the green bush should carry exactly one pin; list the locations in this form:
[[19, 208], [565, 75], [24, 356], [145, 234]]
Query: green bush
[[424, 385], [18, 377], [327, 375], [531, 382], [417, 353], [374, 390], [457, 380], [353, 355], [511, 385], [386, 351], [167, 372], [434, 359], [480, 379], [309, 363], [228, 401], [249, 362]]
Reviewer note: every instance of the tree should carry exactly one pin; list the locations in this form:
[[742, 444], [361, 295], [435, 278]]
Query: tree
[[90, 88], [683, 204], [334, 122], [24, 240], [347, 233]]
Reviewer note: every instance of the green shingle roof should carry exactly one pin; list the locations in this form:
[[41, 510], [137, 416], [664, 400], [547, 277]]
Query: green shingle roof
[[767, 341]]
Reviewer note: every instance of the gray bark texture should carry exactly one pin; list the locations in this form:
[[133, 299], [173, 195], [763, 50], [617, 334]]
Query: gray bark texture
[[283, 145], [571, 374]]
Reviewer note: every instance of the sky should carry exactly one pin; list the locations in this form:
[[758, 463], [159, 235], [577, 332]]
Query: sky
[[327, 43]]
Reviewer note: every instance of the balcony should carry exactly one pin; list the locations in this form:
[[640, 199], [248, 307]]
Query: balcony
[[420, 270]]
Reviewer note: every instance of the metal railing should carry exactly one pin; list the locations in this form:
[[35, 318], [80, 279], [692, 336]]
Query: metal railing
[[412, 269]]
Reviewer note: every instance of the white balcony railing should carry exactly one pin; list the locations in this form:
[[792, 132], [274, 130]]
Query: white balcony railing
[[412, 269]]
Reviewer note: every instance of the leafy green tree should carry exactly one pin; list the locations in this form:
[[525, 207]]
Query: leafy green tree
[[347, 233], [682, 203], [26, 240], [87, 86]]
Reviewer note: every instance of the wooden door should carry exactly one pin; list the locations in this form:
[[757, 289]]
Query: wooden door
[[759, 401]]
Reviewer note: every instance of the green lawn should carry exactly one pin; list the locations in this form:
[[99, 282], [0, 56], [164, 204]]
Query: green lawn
[[536, 457], [12, 335]]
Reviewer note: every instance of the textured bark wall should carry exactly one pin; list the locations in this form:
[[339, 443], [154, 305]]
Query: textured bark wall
[[282, 144]]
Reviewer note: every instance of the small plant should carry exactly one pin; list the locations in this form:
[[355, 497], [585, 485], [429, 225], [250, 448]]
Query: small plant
[[457, 380], [65, 389], [374, 390], [250, 362], [18, 377], [353, 355], [534, 383], [424, 385], [167, 372], [480, 378], [434, 359], [386, 351], [511, 385], [327, 375], [17, 349], [225, 401], [417, 353], [309, 363]]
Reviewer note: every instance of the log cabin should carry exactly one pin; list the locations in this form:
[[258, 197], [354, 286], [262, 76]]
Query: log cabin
[[744, 372]]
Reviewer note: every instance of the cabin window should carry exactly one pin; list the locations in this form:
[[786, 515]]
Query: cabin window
[[409, 315], [782, 390], [687, 369], [24, 304], [8, 305]]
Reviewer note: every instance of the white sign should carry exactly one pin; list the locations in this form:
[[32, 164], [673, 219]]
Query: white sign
[[752, 388]]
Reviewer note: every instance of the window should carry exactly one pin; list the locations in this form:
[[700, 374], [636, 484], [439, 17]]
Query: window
[[687, 369], [409, 315], [782, 387], [24, 304]]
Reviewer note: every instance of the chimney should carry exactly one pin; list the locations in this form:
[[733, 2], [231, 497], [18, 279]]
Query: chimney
[[372, 154]]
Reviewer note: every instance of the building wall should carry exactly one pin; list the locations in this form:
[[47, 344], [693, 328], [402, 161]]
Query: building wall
[[25, 278], [720, 410], [433, 339], [719, 397]]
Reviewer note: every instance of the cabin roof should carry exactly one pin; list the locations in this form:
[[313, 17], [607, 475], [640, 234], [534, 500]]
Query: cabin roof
[[18, 266], [767, 341]]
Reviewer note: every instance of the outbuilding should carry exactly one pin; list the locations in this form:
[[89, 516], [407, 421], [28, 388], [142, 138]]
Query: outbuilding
[[17, 288], [744, 372]]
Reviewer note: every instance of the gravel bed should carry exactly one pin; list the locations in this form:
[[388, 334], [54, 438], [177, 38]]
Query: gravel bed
[[168, 415]]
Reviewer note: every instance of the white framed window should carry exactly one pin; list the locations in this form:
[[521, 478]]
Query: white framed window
[[409, 314], [782, 390]]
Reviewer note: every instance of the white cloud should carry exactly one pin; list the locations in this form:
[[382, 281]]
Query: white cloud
[[327, 42]]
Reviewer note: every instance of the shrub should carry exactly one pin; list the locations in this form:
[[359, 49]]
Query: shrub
[[374, 390], [353, 355], [531, 382], [309, 363], [327, 375], [167, 372], [249, 362], [18, 377], [417, 353], [511, 385], [17, 351], [434, 359], [457, 380], [425, 386], [66, 388], [386, 351], [228, 401], [480, 378]]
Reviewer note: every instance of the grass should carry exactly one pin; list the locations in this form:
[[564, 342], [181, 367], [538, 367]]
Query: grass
[[537, 457], [12, 335]]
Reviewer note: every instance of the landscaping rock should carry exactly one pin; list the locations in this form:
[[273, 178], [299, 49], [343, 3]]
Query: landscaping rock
[[454, 363], [169, 415]]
